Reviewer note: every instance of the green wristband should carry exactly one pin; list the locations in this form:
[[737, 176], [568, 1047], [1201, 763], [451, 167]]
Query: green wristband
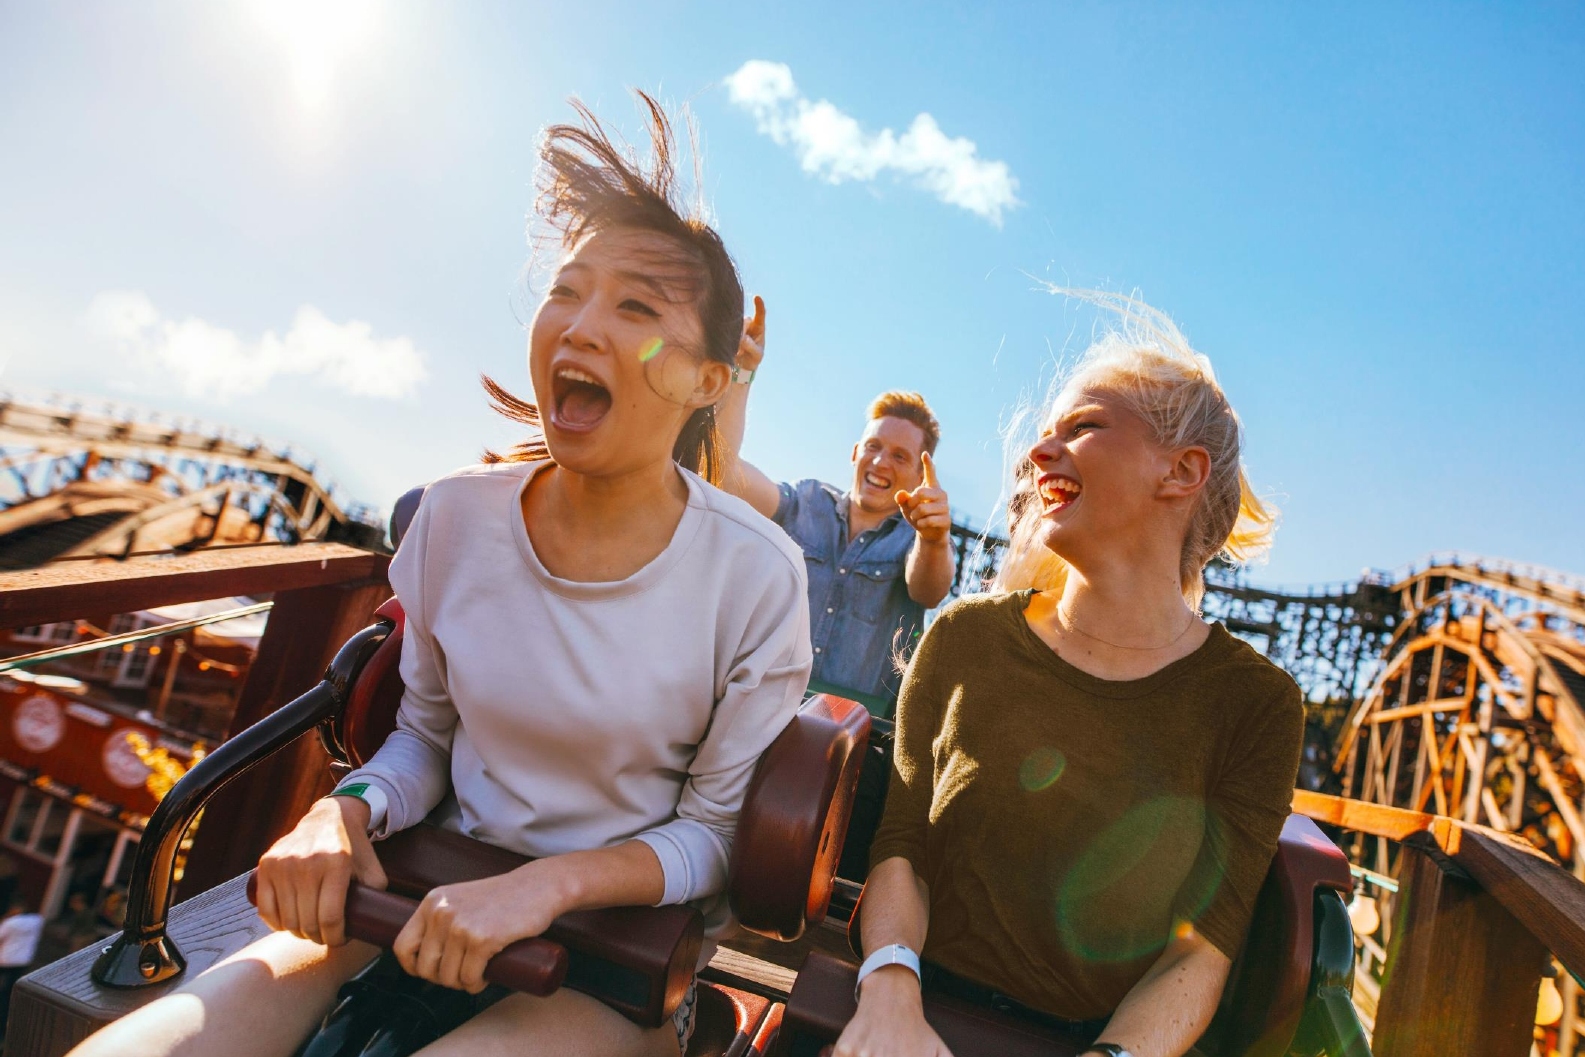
[[356, 790]]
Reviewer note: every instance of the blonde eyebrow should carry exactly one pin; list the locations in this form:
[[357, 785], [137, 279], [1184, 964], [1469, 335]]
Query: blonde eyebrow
[[1078, 412]]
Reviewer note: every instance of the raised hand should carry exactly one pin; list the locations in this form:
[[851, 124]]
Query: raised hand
[[925, 507], [751, 346]]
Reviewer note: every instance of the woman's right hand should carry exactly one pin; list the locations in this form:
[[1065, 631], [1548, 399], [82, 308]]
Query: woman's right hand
[[890, 1021], [303, 878]]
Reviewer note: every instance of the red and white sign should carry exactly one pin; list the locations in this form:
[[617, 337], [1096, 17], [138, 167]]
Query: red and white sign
[[38, 724], [79, 745]]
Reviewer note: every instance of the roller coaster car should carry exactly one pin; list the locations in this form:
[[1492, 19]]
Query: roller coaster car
[[1288, 995], [639, 960]]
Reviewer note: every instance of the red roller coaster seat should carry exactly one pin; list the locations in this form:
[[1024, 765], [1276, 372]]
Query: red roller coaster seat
[[789, 835]]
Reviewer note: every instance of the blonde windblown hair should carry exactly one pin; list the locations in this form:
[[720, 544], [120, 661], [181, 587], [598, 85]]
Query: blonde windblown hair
[[1146, 362]]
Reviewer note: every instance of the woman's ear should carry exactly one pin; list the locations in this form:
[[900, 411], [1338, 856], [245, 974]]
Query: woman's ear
[[1187, 472], [710, 384]]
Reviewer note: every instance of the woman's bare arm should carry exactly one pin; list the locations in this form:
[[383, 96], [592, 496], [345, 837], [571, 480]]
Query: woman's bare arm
[[896, 908], [743, 479], [890, 1021], [1172, 1004]]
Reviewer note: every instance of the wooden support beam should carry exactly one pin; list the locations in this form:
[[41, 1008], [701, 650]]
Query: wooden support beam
[[1462, 974], [70, 589], [305, 630], [1541, 895]]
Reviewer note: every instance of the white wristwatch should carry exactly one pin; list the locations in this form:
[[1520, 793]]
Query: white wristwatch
[[892, 954]]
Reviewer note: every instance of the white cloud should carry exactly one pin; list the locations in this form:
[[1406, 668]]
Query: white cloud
[[215, 363], [830, 144]]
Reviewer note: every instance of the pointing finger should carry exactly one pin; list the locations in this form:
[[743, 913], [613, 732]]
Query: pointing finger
[[754, 326], [930, 471]]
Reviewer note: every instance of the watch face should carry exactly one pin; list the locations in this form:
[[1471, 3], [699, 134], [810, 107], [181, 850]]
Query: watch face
[[38, 724]]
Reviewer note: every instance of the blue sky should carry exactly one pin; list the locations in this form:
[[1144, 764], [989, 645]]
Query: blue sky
[[306, 220]]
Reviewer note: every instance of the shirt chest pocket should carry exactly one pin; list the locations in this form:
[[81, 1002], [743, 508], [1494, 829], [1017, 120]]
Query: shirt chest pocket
[[871, 589]]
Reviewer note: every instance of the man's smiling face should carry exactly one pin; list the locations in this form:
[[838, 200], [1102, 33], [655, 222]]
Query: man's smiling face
[[886, 460]]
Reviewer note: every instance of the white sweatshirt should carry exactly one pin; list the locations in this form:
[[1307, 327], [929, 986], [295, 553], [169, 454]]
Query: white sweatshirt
[[568, 716]]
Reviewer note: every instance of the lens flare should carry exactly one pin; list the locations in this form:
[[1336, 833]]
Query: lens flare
[[1145, 876], [650, 350], [1041, 768]]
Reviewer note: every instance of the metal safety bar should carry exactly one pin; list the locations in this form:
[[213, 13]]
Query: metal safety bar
[[158, 631]]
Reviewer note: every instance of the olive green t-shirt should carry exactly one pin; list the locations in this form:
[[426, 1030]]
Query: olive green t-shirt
[[1065, 824]]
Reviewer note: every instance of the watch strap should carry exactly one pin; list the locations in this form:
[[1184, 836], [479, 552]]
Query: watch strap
[[891, 954], [371, 794]]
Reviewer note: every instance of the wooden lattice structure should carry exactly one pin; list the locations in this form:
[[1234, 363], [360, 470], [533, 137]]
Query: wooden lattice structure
[[1477, 713], [78, 482]]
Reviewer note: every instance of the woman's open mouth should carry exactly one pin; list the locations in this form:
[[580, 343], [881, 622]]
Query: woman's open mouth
[[1057, 491], [579, 400]]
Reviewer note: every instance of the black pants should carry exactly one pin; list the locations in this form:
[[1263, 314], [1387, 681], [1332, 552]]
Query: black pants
[[937, 980]]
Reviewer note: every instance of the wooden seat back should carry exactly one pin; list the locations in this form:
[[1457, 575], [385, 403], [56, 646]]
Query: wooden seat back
[[795, 818]]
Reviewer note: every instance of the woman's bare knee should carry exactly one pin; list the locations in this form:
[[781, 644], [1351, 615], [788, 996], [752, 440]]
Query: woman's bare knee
[[566, 1024], [260, 1002]]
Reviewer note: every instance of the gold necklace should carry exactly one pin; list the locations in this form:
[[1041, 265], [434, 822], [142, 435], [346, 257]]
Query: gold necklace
[[1067, 625]]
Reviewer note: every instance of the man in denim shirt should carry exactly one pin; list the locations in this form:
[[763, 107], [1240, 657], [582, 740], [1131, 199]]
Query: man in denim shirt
[[878, 554]]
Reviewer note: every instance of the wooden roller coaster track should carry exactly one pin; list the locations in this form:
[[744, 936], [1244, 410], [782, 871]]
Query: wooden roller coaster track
[[1476, 712], [76, 482]]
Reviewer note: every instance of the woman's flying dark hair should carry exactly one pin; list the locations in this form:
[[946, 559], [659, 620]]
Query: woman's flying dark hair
[[587, 184]]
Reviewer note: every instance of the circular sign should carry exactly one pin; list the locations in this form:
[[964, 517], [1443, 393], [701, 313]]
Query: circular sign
[[121, 760], [38, 723]]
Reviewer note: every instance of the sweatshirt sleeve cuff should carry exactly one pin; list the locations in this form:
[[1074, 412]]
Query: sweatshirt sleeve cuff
[[692, 860]]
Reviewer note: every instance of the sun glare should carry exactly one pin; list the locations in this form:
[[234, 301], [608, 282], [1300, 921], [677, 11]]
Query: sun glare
[[317, 36]]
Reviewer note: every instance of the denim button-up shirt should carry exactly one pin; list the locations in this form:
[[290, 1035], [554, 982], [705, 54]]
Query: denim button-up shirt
[[860, 615]]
